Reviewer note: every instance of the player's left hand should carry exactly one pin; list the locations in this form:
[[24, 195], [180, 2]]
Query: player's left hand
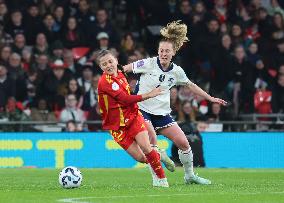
[[218, 100]]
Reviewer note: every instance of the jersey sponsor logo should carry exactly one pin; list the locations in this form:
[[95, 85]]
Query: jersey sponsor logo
[[115, 86], [140, 64]]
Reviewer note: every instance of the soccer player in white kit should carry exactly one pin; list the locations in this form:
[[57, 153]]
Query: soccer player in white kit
[[161, 72]]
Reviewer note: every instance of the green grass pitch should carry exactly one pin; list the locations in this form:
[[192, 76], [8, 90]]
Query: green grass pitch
[[134, 185]]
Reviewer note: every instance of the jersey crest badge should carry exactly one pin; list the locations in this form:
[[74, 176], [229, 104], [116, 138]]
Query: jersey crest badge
[[162, 78], [115, 86]]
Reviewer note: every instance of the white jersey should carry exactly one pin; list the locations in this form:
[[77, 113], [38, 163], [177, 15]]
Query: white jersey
[[152, 75]]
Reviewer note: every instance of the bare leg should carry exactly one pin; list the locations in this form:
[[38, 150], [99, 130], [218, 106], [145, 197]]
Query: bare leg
[[135, 151], [152, 133], [175, 134]]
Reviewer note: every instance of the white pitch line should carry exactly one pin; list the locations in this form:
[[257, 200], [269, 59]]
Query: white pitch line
[[78, 199]]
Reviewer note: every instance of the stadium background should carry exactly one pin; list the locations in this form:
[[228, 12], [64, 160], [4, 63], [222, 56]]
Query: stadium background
[[48, 74]]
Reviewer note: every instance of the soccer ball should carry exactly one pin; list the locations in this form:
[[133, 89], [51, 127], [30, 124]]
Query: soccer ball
[[70, 177]]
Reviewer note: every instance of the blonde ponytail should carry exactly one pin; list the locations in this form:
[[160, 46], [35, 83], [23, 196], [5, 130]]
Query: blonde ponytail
[[175, 32]]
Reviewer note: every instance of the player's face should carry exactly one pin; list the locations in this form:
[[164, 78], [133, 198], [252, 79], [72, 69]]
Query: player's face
[[108, 64], [166, 53]]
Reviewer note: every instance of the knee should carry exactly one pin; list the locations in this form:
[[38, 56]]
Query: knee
[[184, 145], [146, 149]]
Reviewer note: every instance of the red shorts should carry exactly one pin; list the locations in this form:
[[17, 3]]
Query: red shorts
[[125, 136]]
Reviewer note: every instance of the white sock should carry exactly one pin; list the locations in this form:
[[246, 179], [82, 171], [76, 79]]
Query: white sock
[[154, 176], [186, 158]]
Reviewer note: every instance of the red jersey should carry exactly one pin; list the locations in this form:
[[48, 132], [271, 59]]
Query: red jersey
[[117, 106]]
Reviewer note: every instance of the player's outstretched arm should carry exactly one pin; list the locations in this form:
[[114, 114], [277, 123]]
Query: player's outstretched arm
[[129, 99], [155, 92], [197, 90]]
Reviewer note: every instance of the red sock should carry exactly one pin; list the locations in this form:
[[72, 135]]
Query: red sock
[[154, 160]]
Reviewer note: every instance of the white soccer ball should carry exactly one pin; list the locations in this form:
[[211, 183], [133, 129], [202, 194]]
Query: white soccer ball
[[70, 177]]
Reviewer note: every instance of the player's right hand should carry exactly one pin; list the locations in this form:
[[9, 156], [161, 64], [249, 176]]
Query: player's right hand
[[155, 92]]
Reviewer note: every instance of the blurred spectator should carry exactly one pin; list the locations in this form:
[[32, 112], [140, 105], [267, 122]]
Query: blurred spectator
[[73, 88], [5, 53], [94, 114], [240, 74], [222, 66], [276, 57], [46, 6], [56, 50], [15, 69], [33, 18], [128, 44], [281, 70], [54, 85], [41, 45], [245, 19], [186, 113], [14, 112], [72, 66], [86, 80], [184, 12], [184, 94], [277, 27], [42, 112], [27, 58], [5, 38], [19, 43], [49, 28], [72, 36], [86, 18], [7, 86], [276, 8], [60, 17], [27, 89], [71, 111], [216, 113], [91, 96], [209, 43], [41, 66], [3, 13], [260, 78], [252, 53], [278, 95], [16, 26], [220, 10], [175, 103], [73, 126], [103, 25], [102, 41], [264, 23], [237, 35]]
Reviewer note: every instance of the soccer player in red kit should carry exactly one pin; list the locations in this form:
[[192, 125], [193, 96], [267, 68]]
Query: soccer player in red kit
[[121, 116]]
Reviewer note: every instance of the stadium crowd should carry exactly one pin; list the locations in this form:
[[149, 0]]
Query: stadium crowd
[[48, 51]]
